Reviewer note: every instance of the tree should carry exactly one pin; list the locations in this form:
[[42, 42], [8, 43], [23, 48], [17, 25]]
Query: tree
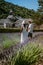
[[41, 11], [40, 5]]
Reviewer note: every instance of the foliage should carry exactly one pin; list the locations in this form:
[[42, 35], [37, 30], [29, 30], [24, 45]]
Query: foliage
[[28, 55], [41, 10], [5, 7], [8, 43], [40, 5], [23, 12], [5, 30]]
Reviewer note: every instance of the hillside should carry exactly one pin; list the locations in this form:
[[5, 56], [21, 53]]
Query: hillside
[[18, 10], [23, 12]]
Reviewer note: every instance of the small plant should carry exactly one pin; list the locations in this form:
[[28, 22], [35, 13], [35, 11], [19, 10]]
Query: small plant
[[8, 43], [28, 55]]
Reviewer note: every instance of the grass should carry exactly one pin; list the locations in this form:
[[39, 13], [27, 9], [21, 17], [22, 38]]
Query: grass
[[28, 55], [8, 43]]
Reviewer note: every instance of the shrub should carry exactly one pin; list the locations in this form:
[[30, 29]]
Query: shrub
[[5, 30], [28, 55]]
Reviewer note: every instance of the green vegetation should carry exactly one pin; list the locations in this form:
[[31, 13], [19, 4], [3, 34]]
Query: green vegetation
[[10, 30], [8, 43], [40, 5], [23, 12], [28, 55], [18, 11], [4, 30]]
